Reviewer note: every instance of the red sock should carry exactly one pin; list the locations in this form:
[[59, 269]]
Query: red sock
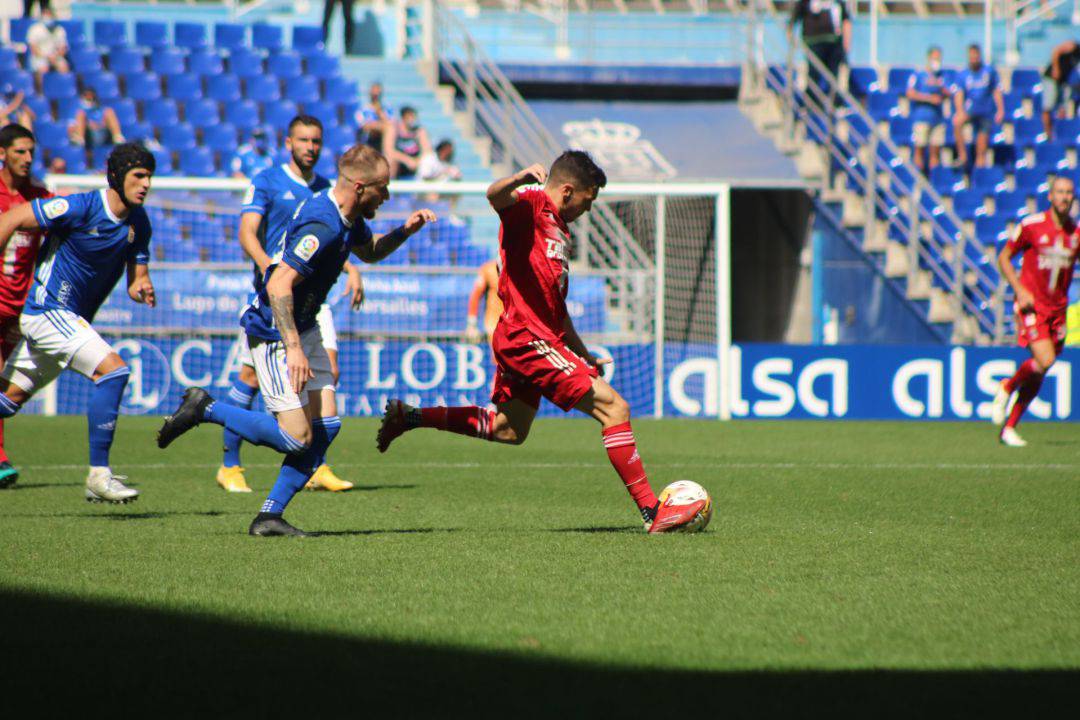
[[1027, 393], [472, 421], [3, 453], [623, 454], [1025, 371]]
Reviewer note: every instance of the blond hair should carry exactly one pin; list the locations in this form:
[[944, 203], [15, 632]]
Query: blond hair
[[361, 162]]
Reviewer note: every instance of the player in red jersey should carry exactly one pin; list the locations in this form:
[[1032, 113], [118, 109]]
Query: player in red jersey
[[16, 187], [537, 351], [1050, 243]]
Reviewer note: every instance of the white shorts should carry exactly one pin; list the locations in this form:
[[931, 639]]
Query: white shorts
[[273, 373], [924, 133], [52, 341], [325, 321]]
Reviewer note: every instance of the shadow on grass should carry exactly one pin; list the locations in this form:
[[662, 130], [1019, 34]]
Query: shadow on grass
[[63, 653], [387, 531], [606, 529], [372, 488], [37, 486], [120, 515]]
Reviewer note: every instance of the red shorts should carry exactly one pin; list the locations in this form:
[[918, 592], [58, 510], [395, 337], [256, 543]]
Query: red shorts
[[9, 335], [528, 367], [1034, 326]]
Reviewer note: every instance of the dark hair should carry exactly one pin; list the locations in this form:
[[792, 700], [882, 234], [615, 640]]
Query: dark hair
[[408, 109], [975, 47], [308, 120], [123, 159], [442, 144], [10, 133], [934, 48], [577, 167]]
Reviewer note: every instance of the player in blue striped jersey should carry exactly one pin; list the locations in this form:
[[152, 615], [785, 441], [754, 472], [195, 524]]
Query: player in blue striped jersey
[[283, 333], [92, 238], [268, 206]]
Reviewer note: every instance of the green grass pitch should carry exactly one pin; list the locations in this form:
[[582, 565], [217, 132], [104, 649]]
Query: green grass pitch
[[913, 566]]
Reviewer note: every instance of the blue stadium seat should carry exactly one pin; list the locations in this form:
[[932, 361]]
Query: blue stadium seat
[[142, 86], [184, 87], [1010, 205], [1014, 106], [1027, 81], [307, 37], [1051, 154], [124, 109], [286, 65], [57, 86], [969, 204], [898, 79], [75, 31], [202, 113], [9, 60], [325, 111], [41, 107], [189, 35], [862, 81], [327, 164], [230, 36], [198, 162], [223, 88], [302, 89], [882, 105], [990, 229], [1042, 203], [74, 156], [162, 113], [136, 130], [163, 159], [1067, 130], [20, 80], [206, 63], [262, 88], [50, 135], [221, 138], [337, 138], [100, 157], [243, 114], [168, 61], [340, 90], [322, 66], [84, 59], [105, 84], [1032, 181], [988, 180], [1028, 131], [108, 33], [267, 37], [279, 113], [946, 180], [900, 129], [66, 109], [151, 34], [178, 137], [246, 63], [18, 27], [126, 60]]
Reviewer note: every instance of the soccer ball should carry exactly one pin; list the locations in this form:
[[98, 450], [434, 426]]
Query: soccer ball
[[684, 492]]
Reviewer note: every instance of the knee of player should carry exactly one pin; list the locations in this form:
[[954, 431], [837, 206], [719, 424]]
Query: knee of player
[[619, 411], [301, 436], [506, 433], [335, 374]]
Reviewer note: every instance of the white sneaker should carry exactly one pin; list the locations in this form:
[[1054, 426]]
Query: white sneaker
[[1011, 438], [1000, 407], [103, 486]]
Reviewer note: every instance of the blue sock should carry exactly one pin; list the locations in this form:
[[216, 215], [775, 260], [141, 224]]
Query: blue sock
[[255, 427], [101, 417], [8, 407], [241, 395], [297, 469]]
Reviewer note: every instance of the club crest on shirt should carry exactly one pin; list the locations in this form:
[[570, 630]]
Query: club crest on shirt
[[249, 196], [307, 246], [55, 208], [131, 234]]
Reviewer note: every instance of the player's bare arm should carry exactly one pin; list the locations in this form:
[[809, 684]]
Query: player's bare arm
[[1025, 301], [249, 240], [354, 286], [18, 218], [280, 290], [383, 245], [575, 343], [503, 193], [140, 288]]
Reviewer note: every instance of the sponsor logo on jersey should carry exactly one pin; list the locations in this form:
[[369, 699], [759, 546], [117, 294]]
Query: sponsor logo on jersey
[[288, 195], [55, 208], [92, 232], [307, 246]]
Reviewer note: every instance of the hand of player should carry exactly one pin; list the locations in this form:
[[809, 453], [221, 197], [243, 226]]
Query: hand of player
[[299, 370], [599, 364], [533, 175], [419, 219], [142, 291], [1025, 301], [473, 335], [354, 286]]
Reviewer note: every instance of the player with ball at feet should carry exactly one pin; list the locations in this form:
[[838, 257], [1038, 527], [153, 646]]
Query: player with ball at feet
[[282, 329], [537, 351]]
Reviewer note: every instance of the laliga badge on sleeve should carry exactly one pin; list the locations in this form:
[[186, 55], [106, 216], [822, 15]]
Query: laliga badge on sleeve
[[55, 208], [307, 247]]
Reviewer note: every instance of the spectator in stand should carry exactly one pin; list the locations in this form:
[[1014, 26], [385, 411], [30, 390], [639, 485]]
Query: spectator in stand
[[28, 7], [826, 30], [346, 11], [253, 156], [374, 119], [439, 164], [405, 144], [927, 92], [978, 101], [48, 46], [13, 109], [1056, 90], [94, 125]]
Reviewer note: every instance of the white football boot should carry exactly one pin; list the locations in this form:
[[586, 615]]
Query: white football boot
[[999, 409], [1011, 438], [103, 486]]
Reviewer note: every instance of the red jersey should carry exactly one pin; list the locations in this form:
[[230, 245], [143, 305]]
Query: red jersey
[[17, 269], [1050, 254], [534, 251]]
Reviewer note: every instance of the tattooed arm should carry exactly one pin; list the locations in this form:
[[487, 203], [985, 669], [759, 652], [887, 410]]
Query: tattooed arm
[[280, 289]]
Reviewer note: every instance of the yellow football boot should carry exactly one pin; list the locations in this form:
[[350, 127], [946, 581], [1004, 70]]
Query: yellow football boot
[[232, 479], [325, 479]]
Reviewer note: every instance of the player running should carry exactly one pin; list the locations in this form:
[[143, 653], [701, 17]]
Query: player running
[[1050, 243], [537, 351], [487, 284], [91, 238], [269, 205], [283, 332], [16, 188]]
